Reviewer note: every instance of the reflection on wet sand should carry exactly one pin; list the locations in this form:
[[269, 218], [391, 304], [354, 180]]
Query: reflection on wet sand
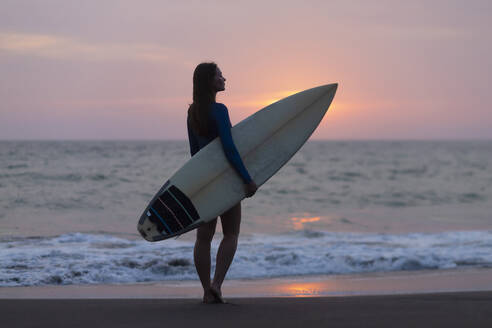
[[308, 289]]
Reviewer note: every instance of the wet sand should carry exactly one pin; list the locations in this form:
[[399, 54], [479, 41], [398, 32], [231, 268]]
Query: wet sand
[[464, 309], [439, 298], [383, 283]]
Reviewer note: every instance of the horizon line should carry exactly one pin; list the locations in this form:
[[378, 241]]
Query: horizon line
[[182, 139]]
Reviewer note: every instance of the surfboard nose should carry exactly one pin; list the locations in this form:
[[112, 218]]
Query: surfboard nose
[[325, 91], [328, 92], [332, 87]]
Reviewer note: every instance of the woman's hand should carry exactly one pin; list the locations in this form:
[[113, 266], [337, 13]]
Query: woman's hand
[[251, 188]]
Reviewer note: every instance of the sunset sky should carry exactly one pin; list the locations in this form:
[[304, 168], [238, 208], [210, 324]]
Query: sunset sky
[[117, 69]]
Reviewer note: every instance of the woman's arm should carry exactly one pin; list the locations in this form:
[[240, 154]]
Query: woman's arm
[[223, 123]]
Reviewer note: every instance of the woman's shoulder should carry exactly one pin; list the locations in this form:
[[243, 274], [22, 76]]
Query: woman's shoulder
[[219, 106], [219, 110]]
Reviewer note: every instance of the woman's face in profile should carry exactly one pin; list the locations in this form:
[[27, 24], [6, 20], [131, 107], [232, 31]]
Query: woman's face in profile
[[219, 81]]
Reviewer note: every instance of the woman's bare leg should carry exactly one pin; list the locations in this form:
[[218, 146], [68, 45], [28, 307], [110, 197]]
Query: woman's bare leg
[[231, 221], [201, 255]]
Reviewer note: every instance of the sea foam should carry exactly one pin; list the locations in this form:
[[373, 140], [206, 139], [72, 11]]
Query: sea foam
[[102, 259]]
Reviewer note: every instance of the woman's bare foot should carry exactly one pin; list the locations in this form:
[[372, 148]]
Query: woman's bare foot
[[217, 294], [209, 297]]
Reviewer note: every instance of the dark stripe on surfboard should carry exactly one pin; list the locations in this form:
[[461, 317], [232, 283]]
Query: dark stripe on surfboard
[[176, 208], [153, 211], [167, 215], [173, 215], [172, 212], [185, 202]]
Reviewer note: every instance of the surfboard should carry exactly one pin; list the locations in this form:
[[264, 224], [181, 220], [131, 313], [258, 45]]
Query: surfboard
[[207, 185]]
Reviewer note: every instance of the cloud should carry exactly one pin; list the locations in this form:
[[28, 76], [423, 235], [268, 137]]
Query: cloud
[[64, 48]]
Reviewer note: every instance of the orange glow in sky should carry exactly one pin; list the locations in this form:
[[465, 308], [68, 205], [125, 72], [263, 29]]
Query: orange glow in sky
[[276, 97], [129, 76]]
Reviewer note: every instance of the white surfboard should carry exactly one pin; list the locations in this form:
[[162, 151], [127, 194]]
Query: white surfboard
[[207, 185]]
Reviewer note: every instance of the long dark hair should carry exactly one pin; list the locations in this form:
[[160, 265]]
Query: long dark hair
[[199, 110]]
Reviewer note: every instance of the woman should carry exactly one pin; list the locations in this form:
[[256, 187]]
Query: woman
[[207, 120]]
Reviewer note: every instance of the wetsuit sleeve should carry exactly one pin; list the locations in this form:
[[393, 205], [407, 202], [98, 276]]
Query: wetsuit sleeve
[[192, 139], [223, 123]]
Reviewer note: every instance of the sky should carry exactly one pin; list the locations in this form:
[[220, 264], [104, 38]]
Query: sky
[[118, 69]]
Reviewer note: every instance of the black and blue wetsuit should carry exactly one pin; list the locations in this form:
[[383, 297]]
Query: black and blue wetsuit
[[219, 125]]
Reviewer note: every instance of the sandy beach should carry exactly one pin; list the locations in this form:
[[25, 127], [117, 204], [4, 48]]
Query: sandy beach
[[445, 298], [471, 309]]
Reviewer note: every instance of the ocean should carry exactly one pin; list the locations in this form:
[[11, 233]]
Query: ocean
[[69, 209]]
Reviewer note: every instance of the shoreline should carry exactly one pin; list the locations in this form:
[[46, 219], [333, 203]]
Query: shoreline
[[378, 283]]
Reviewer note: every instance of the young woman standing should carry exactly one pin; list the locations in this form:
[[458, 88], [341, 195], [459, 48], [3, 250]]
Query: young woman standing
[[207, 120]]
